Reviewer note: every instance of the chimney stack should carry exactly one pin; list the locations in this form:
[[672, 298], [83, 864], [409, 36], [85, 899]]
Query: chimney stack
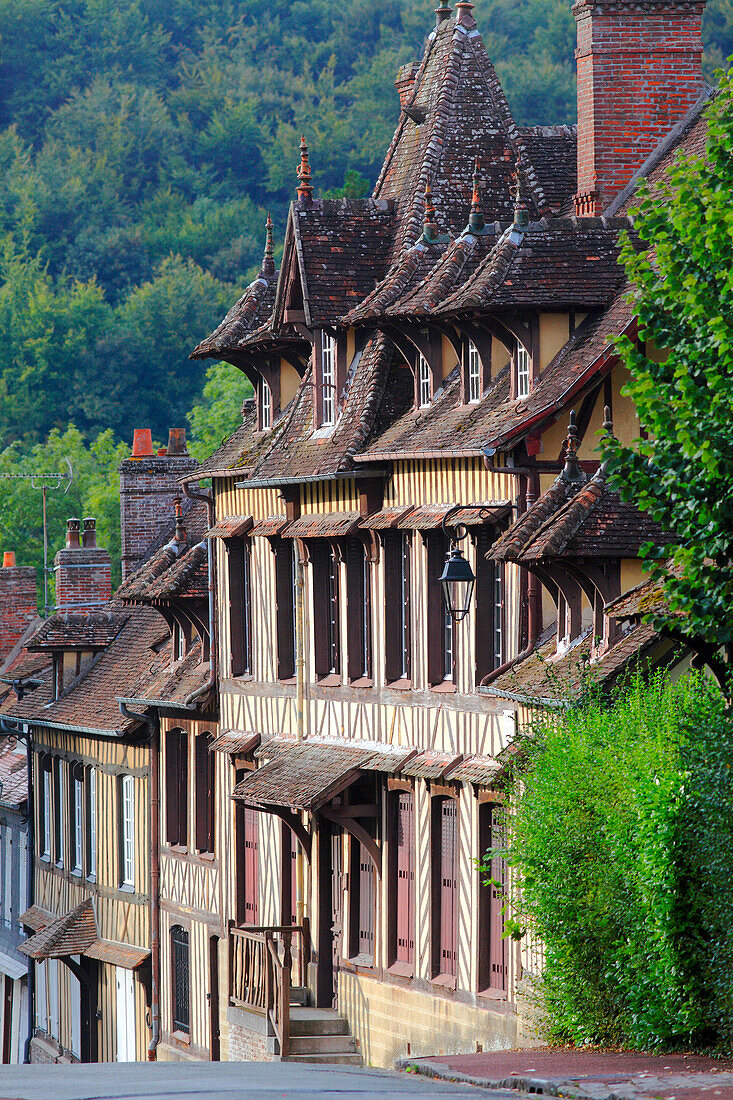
[[17, 603], [639, 73], [83, 570], [406, 78], [149, 485]]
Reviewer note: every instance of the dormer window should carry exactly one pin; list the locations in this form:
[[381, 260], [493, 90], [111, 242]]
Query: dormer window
[[424, 381], [523, 366], [265, 405], [328, 380], [179, 643], [474, 372]]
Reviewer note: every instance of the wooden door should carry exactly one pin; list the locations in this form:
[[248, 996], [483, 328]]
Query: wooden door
[[126, 1045], [75, 1009], [448, 886], [251, 864], [367, 900], [214, 998], [337, 904]]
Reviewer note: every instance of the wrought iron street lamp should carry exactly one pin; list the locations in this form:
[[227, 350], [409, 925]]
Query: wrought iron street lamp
[[457, 580]]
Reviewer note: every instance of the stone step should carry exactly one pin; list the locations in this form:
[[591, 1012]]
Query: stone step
[[322, 1044], [317, 1021], [327, 1059]]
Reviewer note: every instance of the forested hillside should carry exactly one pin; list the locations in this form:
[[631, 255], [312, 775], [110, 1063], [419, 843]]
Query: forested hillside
[[143, 141]]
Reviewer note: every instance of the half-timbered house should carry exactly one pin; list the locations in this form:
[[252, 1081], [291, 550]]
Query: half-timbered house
[[415, 360]]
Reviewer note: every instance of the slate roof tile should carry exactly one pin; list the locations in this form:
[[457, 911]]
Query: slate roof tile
[[78, 630], [13, 773]]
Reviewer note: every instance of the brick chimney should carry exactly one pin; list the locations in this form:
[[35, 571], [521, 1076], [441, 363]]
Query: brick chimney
[[406, 79], [83, 570], [148, 487], [17, 603], [639, 72]]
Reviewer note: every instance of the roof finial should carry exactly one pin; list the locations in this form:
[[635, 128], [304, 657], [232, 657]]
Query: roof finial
[[305, 189], [607, 420], [521, 214], [442, 12], [430, 225], [180, 529], [476, 219], [268, 260], [463, 12], [571, 471]]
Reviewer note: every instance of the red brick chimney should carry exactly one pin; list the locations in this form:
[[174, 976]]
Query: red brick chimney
[[406, 79], [83, 570], [148, 487], [639, 72], [17, 603]]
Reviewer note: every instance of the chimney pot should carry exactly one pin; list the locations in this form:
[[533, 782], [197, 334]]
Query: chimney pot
[[177, 441], [9, 559], [73, 539], [89, 537], [142, 443]]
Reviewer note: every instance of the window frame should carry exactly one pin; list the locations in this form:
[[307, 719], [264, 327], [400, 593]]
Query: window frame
[[489, 615], [90, 822], [474, 373], [424, 378], [447, 977], [360, 650], [45, 808], [239, 562], [76, 818], [286, 627], [58, 810], [265, 416], [328, 378], [205, 794], [401, 960], [397, 551], [522, 371], [327, 656], [180, 945], [126, 795], [492, 948], [176, 788], [442, 665]]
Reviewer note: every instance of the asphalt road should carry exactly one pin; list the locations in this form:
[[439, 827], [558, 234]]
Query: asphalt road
[[224, 1081]]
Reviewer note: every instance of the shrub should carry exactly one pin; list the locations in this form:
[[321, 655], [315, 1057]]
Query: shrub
[[620, 837]]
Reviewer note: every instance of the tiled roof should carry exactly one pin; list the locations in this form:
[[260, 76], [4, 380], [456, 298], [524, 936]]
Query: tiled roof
[[543, 678], [254, 307], [177, 569], [648, 598], [71, 934], [385, 519], [431, 764], [269, 526], [481, 770], [304, 776], [78, 630], [36, 918], [571, 520], [553, 152], [322, 525], [164, 680], [13, 773], [230, 527], [235, 741], [126, 955]]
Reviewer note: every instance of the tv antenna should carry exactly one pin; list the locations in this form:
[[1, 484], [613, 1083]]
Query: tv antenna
[[46, 482]]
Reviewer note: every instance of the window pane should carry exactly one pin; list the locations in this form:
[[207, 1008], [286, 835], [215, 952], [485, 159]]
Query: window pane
[[474, 373], [328, 379], [424, 380], [265, 404], [128, 831], [180, 969], [91, 821], [523, 365]]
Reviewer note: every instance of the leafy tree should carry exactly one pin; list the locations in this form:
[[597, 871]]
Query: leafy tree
[[220, 411], [681, 470]]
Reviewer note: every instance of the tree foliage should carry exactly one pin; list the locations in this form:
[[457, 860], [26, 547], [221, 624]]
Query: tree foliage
[[681, 470], [619, 840]]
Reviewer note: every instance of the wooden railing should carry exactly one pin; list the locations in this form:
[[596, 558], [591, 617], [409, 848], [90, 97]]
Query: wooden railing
[[261, 971]]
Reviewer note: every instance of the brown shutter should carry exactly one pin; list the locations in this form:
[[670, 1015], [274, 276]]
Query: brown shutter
[[202, 792], [251, 866], [366, 905], [436, 610], [172, 788], [449, 886], [484, 618], [236, 605], [285, 610], [355, 609], [211, 799], [321, 608], [405, 891]]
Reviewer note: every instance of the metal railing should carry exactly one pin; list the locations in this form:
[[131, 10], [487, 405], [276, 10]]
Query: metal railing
[[262, 971]]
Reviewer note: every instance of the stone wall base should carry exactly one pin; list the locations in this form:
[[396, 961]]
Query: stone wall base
[[246, 1037]]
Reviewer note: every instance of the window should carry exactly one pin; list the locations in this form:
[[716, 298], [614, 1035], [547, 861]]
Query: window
[[362, 905], [474, 372], [265, 405], [240, 609], [176, 787], [441, 629], [180, 976], [58, 803], [424, 381], [326, 611], [45, 807], [91, 822], [285, 576], [492, 963], [402, 879], [205, 779], [247, 827], [179, 642], [489, 618], [328, 380], [127, 839], [397, 606], [41, 997], [76, 814], [445, 887], [523, 371], [359, 611]]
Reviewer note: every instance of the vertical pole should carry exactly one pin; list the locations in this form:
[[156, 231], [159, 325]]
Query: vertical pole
[[299, 710], [45, 557]]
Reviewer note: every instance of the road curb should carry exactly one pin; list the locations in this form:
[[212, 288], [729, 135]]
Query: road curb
[[537, 1086]]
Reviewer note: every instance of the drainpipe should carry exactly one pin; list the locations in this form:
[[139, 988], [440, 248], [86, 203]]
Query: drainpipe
[[153, 724], [207, 496], [30, 884], [299, 711]]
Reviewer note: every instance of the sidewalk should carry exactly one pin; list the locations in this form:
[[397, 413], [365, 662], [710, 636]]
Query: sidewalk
[[586, 1075]]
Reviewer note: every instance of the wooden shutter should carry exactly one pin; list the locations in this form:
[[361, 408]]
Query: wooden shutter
[[320, 555], [366, 905], [204, 794], [211, 800], [235, 562], [392, 608], [436, 609], [285, 610], [172, 788], [357, 611], [405, 891], [448, 886], [494, 971], [484, 617], [251, 865]]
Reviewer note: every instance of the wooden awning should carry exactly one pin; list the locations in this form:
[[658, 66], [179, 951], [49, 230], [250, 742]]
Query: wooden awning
[[235, 741], [481, 770], [230, 527], [322, 525], [302, 777], [268, 527], [126, 955], [430, 516], [71, 934], [36, 918], [385, 519]]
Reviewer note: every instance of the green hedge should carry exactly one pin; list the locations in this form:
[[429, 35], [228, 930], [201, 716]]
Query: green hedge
[[621, 834]]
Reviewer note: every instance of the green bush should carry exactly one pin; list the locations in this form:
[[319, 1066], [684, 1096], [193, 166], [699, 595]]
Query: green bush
[[620, 835]]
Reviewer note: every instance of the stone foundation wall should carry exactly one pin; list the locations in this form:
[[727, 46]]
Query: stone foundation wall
[[245, 1038]]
